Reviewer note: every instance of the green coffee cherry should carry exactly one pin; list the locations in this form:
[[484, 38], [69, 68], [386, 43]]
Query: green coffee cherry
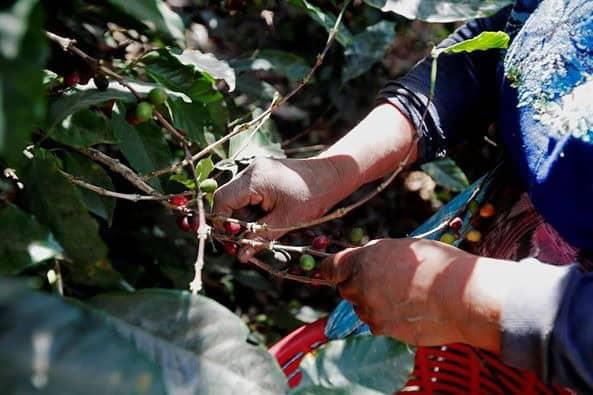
[[209, 185], [307, 262], [157, 96], [143, 111], [448, 238], [356, 235]]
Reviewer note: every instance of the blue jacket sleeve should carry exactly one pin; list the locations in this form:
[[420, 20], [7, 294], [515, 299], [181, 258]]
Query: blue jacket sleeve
[[547, 324], [466, 95]]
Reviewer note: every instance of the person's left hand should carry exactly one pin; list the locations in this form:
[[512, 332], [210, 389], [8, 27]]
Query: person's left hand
[[419, 291]]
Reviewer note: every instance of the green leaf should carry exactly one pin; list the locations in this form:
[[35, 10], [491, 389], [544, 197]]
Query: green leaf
[[84, 129], [185, 335], [482, 42], [204, 168], [91, 172], [367, 48], [183, 180], [55, 347], [23, 51], [207, 63], [284, 63], [255, 143], [163, 67], [57, 204], [144, 146], [85, 96], [156, 15], [23, 241], [446, 173], [440, 10], [196, 119], [357, 365], [343, 35]]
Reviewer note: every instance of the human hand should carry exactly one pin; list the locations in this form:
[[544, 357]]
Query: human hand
[[290, 191], [419, 291]]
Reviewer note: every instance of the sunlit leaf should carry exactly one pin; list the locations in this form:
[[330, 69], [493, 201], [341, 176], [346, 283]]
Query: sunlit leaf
[[343, 36], [207, 63], [204, 168], [440, 10], [367, 48], [482, 42], [359, 365], [23, 241], [446, 173], [284, 63]]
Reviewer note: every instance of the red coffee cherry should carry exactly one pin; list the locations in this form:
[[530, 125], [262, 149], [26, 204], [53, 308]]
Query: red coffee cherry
[[179, 200], [320, 242], [183, 223], [232, 228], [487, 211], [230, 248], [72, 79], [455, 224]]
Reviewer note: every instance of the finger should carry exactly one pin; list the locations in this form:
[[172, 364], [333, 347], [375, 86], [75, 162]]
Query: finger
[[350, 291], [339, 267], [234, 195], [362, 313]]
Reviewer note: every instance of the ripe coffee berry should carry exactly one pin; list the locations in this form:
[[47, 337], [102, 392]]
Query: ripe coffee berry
[[456, 224], [307, 262], [72, 79], [232, 228], [194, 222], [101, 82], [320, 242], [183, 223], [131, 118], [179, 200], [230, 248], [487, 211]]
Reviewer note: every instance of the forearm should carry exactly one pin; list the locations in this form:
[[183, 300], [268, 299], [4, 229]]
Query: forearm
[[375, 147]]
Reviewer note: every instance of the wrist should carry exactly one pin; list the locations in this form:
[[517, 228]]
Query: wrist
[[482, 302]]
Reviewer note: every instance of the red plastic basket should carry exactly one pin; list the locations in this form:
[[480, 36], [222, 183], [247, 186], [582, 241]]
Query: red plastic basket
[[452, 369]]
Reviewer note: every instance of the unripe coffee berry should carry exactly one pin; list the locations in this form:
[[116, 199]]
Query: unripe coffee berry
[[473, 236], [320, 242], [448, 238], [157, 96], [179, 200], [307, 262], [144, 111], [209, 185], [473, 207], [487, 211], [230, 248], [356, 235], [232, 228]]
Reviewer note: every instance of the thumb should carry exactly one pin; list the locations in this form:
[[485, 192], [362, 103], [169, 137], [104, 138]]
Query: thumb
[[339, 267]]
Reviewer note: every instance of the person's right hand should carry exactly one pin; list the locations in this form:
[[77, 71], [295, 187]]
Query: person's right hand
[[290, 192]]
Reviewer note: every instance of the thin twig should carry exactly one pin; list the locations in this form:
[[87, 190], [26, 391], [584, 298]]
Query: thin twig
[[116, 166], [272, 245], [134, 197], [289, 276]]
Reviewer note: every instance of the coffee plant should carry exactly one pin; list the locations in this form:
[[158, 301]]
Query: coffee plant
[[118, 122]]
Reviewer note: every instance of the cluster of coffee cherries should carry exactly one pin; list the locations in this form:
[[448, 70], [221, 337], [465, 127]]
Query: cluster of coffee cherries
[[144, 110], [473, 236], [308, 263], [75, 78]]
